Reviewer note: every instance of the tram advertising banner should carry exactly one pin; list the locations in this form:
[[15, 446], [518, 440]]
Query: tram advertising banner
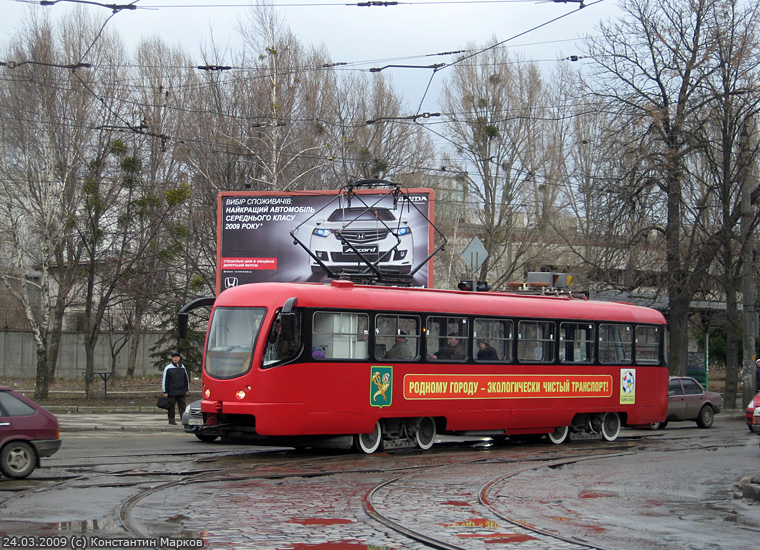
[[505, 386], [254, 242]]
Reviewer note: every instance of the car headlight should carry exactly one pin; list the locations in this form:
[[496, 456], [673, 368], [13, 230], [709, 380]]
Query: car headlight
[[187, 409], [401, 231], [321, 232]]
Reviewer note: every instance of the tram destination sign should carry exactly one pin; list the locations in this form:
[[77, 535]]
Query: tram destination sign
[[254, 243]]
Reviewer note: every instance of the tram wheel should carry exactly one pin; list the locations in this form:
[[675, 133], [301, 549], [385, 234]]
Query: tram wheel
[[425, 433], [369, 443], [559, 435], [610, 426]]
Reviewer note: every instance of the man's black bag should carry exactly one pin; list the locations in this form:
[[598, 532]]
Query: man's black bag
[[163, 403]]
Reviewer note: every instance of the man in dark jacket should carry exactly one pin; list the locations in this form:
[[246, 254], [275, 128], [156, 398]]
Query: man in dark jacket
[[486, 352], [175, 385], [453, 351]]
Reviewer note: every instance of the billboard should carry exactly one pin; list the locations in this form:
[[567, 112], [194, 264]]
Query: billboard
[[258, 235]]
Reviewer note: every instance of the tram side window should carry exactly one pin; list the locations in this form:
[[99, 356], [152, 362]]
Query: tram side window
[[576, 343], [340, 335], [492, 340], [447, 338], [397, 337], [647, 345], [535, 341], [278, 349], [615, 344]]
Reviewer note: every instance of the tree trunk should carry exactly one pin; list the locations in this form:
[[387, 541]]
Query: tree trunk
[[679, 334], [42, 385], [678, 289], [133, 347], [89, 353], [732, 344], [135, 343], [55, 344]]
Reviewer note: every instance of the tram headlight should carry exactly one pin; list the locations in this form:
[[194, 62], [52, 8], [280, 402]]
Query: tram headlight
[[207, 393], [240, 394], [757, 412]]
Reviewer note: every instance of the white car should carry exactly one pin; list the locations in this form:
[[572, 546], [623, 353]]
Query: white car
[[192, 422], [376, 233]]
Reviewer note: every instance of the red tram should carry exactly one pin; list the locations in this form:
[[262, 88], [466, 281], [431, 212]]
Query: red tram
[[289, 363]]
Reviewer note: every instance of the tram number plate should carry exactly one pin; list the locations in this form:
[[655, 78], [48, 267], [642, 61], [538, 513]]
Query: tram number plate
[[196, 422]]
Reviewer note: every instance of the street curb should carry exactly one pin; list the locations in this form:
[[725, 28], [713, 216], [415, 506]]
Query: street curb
[[80, 429]]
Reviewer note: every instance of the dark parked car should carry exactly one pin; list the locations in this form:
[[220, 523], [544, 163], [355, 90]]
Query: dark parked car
[[752, 414], [192, 422], [688, 400], [27, 433]]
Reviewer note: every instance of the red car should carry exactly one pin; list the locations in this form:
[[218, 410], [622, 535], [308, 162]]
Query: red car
[[688, 400], [27, 433], [752, 414]]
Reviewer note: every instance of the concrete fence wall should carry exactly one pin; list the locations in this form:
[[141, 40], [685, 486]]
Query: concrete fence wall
[[18, 355]]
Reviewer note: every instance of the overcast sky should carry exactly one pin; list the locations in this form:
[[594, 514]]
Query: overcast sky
[[365, 37]]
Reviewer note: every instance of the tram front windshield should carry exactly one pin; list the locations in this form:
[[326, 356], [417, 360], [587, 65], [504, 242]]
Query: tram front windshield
[[231, 337]]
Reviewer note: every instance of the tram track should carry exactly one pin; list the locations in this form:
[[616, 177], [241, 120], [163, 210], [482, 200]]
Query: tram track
[[401, 498], [296, 469], [291, 469], [521, 535], [485, 499], [544, 537]]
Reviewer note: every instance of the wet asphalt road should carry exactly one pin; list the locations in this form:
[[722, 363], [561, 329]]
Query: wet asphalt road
[[654, 490]]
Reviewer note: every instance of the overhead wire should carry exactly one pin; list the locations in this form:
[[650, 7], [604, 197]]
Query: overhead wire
[[509, 114], [493, 46], [368, 4], [138, 129]]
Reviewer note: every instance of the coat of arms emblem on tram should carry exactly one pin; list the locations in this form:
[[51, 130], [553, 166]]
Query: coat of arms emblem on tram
[[381, 386]]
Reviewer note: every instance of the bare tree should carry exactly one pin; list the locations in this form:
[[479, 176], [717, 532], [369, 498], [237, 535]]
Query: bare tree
[[365, 131], [497, 109], [651, 67], [724, 152], [46, 127], [280, 136], [166, 87]]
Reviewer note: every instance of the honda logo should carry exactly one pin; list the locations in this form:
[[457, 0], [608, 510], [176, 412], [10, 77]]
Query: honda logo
[[230, 282]]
